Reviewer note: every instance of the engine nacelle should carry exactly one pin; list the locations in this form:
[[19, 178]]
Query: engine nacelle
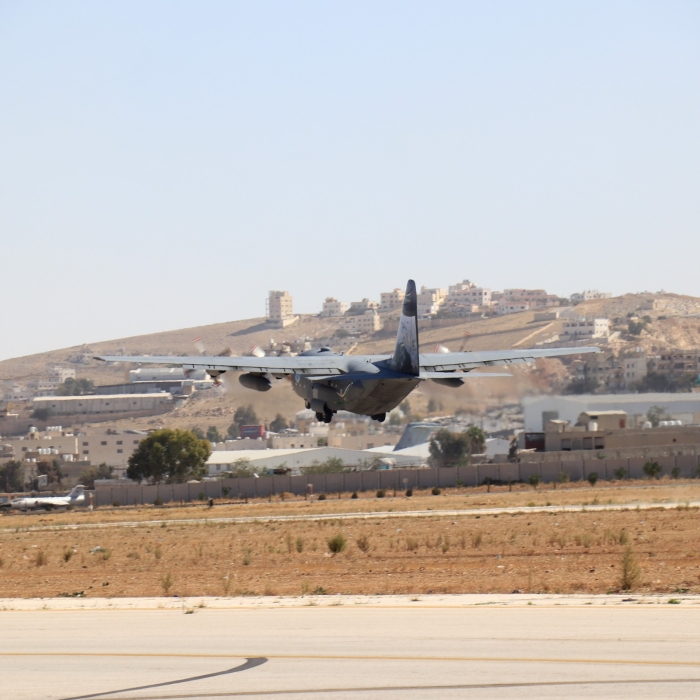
[[256, 382], [453, 383]]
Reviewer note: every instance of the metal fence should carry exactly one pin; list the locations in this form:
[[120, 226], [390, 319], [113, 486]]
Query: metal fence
[[398, 479]]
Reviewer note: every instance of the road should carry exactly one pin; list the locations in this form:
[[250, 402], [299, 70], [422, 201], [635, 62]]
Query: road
[[430, 513], [352, 648]]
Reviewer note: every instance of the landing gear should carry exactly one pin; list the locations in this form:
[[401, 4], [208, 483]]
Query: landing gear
[[326, 416], [379, 417]]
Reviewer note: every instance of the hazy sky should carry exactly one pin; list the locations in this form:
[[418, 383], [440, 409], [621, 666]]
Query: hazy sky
[[165, 164]]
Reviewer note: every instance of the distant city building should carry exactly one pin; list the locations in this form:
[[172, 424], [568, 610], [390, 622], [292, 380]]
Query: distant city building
[[580, 328], [104, 403], [466, 293], [391, 300], [507, 306], [677, 361], [360, 307], [536, 298], [430, 301], [333, 307], [368, 322], [279, 310], [588, 295]]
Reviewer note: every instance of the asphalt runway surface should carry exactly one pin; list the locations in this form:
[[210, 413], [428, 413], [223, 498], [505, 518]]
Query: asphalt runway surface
[[351, 648]]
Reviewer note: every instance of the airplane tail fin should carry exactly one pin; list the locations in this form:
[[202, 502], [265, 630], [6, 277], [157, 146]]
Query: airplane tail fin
[[77, 491], [405, 357]]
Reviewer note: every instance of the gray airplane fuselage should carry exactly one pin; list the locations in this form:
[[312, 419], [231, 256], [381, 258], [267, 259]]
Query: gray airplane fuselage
[[369, 388]]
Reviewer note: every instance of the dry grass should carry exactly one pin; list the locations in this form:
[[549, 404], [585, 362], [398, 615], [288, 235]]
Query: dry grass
[[562, 552]]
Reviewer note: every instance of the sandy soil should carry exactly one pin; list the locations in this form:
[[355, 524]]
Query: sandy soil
[[470, 553]]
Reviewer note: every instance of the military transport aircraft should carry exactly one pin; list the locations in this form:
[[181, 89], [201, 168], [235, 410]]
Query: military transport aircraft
[[369, 385]]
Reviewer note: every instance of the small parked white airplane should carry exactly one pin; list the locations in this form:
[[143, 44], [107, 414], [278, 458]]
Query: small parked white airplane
[[75, 498]]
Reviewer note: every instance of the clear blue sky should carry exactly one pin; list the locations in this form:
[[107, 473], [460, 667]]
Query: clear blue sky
[[165, 164]]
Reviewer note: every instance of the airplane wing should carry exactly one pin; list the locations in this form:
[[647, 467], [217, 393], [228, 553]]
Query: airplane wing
[[452, 361], [257, 365]]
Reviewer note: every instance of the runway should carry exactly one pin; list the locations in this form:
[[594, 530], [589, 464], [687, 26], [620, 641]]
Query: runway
[[446, 647]]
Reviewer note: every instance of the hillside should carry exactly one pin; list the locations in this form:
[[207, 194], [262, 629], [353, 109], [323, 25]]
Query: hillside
[[672, 325]]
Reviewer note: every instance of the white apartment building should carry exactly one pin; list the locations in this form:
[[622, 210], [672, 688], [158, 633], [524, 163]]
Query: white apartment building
[[368, 322], [466, 293], [333, 307], [279, 309], [108, 447], [430, 301], [391, 300], [580, 328], [589, 294], [536, 298], [506, 306]]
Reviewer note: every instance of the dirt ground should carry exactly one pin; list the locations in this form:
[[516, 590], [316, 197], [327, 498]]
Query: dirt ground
[[470, 553]]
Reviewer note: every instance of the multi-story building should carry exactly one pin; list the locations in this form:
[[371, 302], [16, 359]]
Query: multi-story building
[[391, 300], [430, 301], [589, 294], [279, 309], [507, 306], [333, 307], [676, 361], [581, 328], [368, 322], [361, 307], [536, 298], [466, 293]]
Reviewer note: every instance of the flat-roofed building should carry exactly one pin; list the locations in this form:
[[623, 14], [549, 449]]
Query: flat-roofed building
[[333, 307], [581, 328], [280, 312], [391, 300], [104, 403]]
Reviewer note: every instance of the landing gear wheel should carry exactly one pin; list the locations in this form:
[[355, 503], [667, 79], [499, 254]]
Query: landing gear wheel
[[320, 417], [327, 415], [379, 417]]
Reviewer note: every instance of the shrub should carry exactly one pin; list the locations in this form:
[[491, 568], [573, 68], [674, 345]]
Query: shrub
[[563, 477], [381, 493], [652, 470], [247, 557], [68, 553], [299, 544], [534, 480], [158, 552], [620, 473], [167, 582], [105, 554], [435, 491], [411, 544], [354, 494], [158, 502], [409, 492], [363, 543], [337, 543], [226, 491], [116, 504], [675, 472], [592, 478], [629, 570], [202, 496], [321, 496], [476, 539], [320, 590], [41, 558]]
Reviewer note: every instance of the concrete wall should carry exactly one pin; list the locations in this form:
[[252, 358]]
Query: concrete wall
[[399, 479]]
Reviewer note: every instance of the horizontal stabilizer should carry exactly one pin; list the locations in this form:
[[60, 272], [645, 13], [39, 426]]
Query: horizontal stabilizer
[[461, 375]]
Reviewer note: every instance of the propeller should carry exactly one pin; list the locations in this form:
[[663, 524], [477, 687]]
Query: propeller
[[201, 348], [440, 348]]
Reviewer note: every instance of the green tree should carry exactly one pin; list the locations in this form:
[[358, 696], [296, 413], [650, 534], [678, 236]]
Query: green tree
[[279, 424], [333, 465], [242, 468], [656, 414], [244, 415], [513, 450], [88, 476], [432, 406], [11, 476], [448, 449], [198, 433], [75, 387], [52, 470], [42, 414], [213, 434], [652, 470], [477, 439], [587, 385], [170, 455]]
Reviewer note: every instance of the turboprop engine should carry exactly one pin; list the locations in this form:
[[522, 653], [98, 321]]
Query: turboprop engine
[[451, 382], [257, 382]]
